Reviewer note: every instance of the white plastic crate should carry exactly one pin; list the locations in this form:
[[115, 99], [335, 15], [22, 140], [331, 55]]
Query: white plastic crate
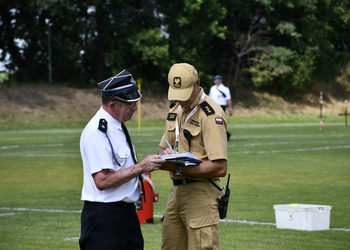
[[302, 217]]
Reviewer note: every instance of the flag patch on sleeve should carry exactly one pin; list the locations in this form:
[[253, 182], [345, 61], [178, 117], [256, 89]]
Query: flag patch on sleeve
[[219, 121]]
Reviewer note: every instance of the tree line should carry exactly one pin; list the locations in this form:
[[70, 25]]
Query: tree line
[[280, 46]]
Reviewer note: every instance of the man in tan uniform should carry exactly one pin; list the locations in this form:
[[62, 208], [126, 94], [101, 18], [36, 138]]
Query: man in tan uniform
[[195, 124]]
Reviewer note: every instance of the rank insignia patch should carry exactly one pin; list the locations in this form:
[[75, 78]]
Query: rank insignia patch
[[171, 116], [177, 82], [208, 110], [219, 121]]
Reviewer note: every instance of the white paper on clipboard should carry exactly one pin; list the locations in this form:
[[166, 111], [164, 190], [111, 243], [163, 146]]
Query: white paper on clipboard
[[185, 158]]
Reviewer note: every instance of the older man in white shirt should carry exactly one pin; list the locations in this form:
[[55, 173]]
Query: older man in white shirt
[[111, 170]]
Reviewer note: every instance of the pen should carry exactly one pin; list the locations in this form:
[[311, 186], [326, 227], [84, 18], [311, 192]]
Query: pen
[[169, 145]]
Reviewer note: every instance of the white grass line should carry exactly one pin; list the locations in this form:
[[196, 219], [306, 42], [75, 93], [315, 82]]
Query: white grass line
[[13, 154], [51, 155], [148, 140], [9, 147], [41, 131], [71, 238], [340, 229], [34, 145], [39, 210], [290, 150], [263, 144], [260, 223], [267, 144], [235, 221], [161, 128], [7, 214], [272, 125], [249, 222], [39, 137], [156, 216], [284, 136]]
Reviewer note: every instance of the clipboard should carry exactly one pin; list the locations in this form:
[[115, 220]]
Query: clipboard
[[186, 159]]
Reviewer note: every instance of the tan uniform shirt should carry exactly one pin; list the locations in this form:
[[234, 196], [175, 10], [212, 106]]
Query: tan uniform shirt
[[207, 127]]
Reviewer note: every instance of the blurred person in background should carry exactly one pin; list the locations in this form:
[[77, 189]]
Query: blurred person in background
[[222, 96]]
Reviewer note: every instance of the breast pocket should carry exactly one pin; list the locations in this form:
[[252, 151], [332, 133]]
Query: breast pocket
[[170, 133], [170, 126], [122, 155], [190, 139]]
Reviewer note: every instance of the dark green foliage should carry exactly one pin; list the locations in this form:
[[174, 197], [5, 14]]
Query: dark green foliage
[[278, 46]]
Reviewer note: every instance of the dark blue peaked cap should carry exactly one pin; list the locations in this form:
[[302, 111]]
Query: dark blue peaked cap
[[122, 86], [217, 77]]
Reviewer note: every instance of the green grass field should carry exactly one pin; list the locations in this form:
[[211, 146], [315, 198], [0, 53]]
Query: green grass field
[[272, 160]]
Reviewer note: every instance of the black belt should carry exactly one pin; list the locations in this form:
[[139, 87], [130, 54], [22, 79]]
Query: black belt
[[109, 204], [184, 181]]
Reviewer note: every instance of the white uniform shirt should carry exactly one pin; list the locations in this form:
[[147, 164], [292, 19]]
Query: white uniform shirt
[[96, 154], [217, 96]]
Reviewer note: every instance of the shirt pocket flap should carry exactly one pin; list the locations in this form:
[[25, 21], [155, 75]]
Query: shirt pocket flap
[[204, 221], [123, 152], [171, 126], [194, 130]]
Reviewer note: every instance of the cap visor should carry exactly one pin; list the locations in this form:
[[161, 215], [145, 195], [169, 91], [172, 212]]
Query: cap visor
[[131, 97], [179, 94]]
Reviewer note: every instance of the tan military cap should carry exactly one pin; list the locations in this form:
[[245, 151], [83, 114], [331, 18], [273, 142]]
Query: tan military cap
[[181, 78]]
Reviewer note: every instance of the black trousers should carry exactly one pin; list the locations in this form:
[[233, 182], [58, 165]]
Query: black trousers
[[227, 133], [110, 226]]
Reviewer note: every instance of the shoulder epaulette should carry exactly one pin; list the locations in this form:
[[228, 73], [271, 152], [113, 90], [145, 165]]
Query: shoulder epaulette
[[171, 117], [208, 110], [172, 104]]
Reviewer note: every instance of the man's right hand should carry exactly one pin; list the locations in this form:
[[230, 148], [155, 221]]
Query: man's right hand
[[151, 163]]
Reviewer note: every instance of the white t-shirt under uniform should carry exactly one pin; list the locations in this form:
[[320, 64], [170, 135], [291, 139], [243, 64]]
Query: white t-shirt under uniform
[[217, 96], [96, 154]]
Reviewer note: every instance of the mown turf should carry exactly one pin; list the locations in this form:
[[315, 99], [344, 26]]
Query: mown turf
[[272, 160]]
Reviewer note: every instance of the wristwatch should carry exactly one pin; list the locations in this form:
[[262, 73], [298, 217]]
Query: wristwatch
[[178, 170]]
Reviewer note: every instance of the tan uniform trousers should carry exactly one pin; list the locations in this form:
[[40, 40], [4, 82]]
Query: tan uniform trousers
[[191, 219]]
